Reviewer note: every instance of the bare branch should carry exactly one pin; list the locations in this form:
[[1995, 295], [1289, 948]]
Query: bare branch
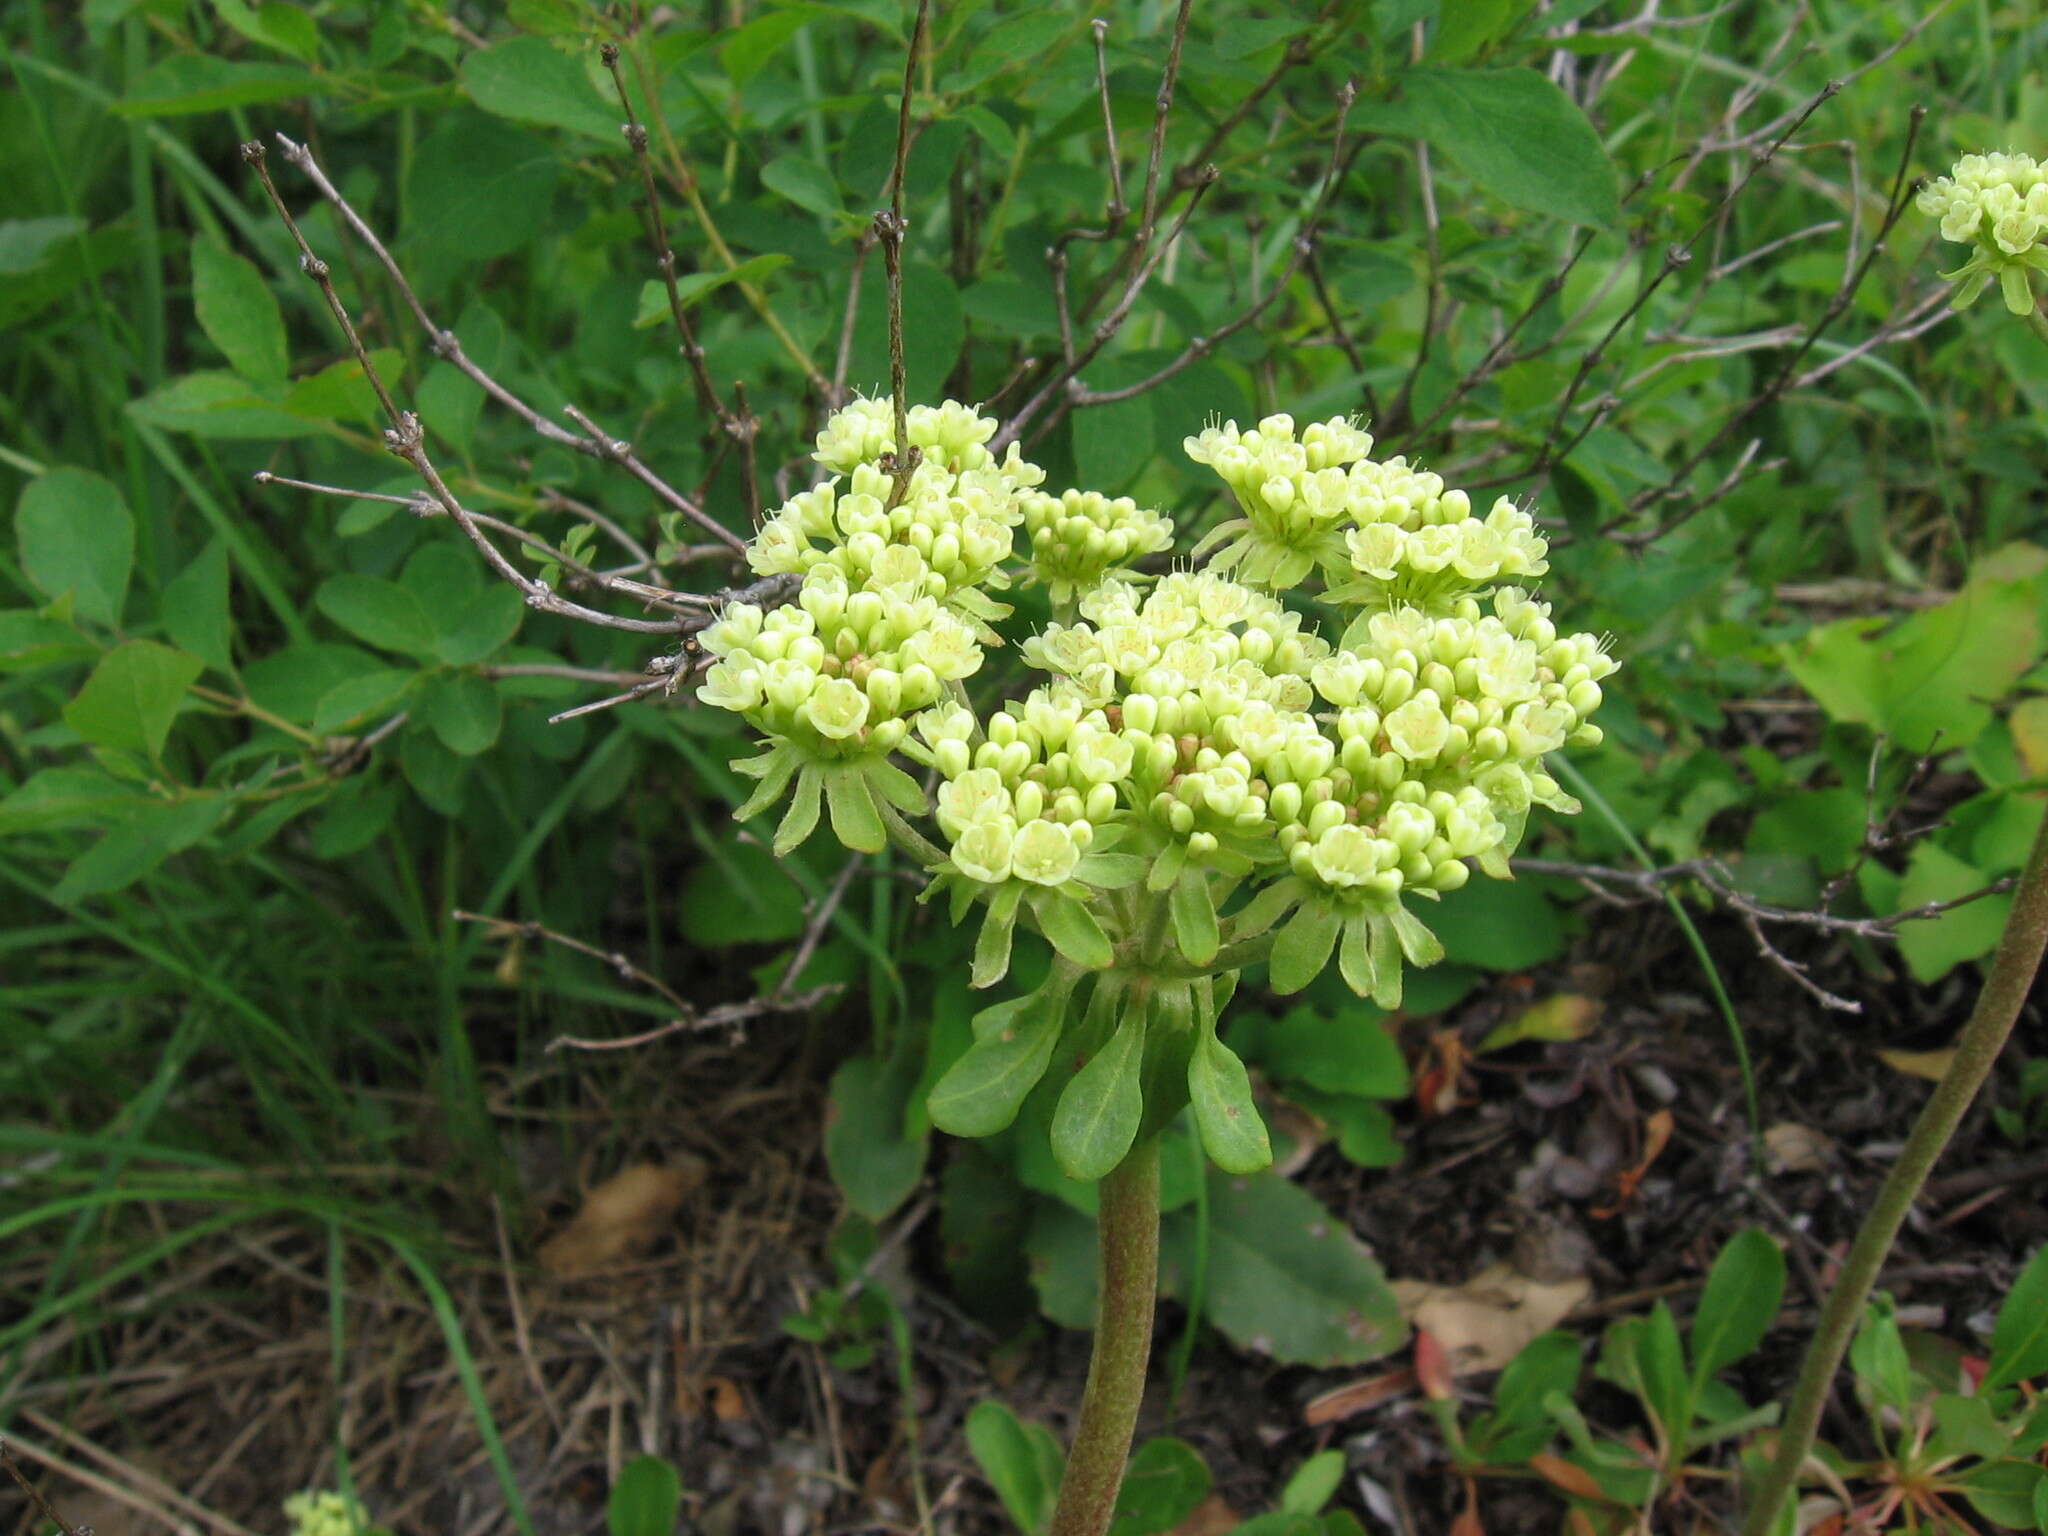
[[1115, 215], [35, 1497], [1895, 207], [1162, 109], [687, 1017], [448, 347], [1716, 878], [890, 227], [740, 426], [1298, 53], [820, 919], [1302, 247]]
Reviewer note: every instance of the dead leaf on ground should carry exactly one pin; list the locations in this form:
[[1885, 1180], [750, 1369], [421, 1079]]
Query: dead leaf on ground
[[720, 1397], [2028, 723], [1656, 1137], [1437, 1085], [621, 1218], [1484, 1323], [1212, 1517], [1468, 1523], [1302, 1131], [1433, 1369], [1795, 1148], [1355, 1397], [1560, 1473], [884, 1488], [1932, 1065], [1566, 1016]]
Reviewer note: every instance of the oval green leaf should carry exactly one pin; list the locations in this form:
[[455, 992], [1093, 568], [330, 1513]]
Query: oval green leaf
[[1741, 1299], [1519, 137], [1221, 1091], [75, 535], [646, 1500], [982, 1091], [2019, 1343], [1303, 947], [1194, 918], [238, 312], [1098, 1114]]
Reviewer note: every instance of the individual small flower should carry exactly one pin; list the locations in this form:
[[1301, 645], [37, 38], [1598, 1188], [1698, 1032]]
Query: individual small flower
[[974, 795], [1045, 853], [984, 849], [1418, 729], [1347, 856], [836, 708], [1997, 203]]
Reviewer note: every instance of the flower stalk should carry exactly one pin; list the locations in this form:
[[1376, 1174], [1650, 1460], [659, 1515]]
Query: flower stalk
[[1990, 1024], [1207, 777], [1127, 1226]]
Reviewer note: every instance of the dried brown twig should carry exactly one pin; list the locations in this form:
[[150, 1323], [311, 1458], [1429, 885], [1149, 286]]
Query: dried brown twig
[[1672, 490], [406, 438], [591, 442], [739, 426], [1675, 258], [1715, 877], [688, 1017], [890, 227], [35, 1496], [1300, 250]]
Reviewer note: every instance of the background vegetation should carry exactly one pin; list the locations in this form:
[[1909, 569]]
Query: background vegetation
[[260, 745]]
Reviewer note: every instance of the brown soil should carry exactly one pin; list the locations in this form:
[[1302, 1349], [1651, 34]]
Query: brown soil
[[211, 1389]]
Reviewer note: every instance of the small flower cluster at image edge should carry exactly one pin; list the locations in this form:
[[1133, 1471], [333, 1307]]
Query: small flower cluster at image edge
[[1198, 746], [1998, 204]]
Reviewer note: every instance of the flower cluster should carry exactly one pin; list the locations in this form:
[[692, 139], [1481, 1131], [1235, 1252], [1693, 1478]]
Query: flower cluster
[[1079, 537], [1132, 730], [1295, 494], [325, 1513], [1999, 204], [1205, 777], [1441, 725], [944, 535], [839, 672], [1385, 534], [1189, 717], [1418, 545]]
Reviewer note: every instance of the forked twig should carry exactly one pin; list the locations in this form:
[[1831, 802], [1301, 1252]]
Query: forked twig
[[1714, 877], [1898, 201], [446, 346], [406, 438], [688, 1016], [1198, 347]]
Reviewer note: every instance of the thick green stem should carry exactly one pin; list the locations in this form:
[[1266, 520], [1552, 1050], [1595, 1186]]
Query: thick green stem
[[1991, 1021], [1127, 1223]]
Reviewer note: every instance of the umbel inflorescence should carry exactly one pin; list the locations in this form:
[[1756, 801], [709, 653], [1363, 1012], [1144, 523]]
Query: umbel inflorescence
[[1205, 777], [1997, 204]]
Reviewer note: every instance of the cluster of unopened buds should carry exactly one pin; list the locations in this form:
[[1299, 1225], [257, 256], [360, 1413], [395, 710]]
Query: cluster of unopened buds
[[323, 1512], [1203, 778], [1998, 204]]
